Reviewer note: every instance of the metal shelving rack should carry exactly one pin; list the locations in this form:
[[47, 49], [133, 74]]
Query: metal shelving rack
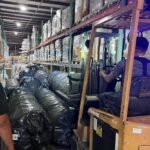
[[80, 28], [140, 21]]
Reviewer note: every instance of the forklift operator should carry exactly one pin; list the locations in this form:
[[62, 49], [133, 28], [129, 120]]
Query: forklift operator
[[141, 65]]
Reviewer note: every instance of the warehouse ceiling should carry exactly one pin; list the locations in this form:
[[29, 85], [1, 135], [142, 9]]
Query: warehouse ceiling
[[36, 12]]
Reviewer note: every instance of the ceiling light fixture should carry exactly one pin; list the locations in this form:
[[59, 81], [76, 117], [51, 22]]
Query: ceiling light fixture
[[23, 8], [18, 24], [16, 33]]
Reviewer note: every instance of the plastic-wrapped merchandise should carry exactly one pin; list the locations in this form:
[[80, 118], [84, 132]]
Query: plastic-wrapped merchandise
[[51, 77], [52, 104], [110, 2], [58, 48], [78, 10], [96, 5], [28, 72], [11, 84], [34, 37], [60, 115], [49, 27], [46, 53], [29, 120], [54, 25], [58, 20], [42, 77], [66, 19], [59, 81], [85, 8], [44, 32], [77, 48], [52, 52], [32, 84], [66, 47]]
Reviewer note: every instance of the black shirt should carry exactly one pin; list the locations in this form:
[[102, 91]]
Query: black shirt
[[137, 68], [3, 101]]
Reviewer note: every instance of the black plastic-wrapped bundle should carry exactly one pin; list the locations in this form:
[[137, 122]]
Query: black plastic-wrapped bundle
[[31, 84], [51, 77], [11, 84], [23, 74], [52, 104], [42, 77], [59, 81], [28, 119], [30, 72], [59, 114]]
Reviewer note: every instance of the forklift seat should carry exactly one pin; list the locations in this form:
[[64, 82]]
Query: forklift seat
[[139, 103], [140, 87]]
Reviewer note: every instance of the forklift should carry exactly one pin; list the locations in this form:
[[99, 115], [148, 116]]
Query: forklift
[[107, 131]]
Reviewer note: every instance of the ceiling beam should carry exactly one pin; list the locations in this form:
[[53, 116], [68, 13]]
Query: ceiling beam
[[31, 6], [24, 13], [34, 9], [13, 21], [58, 2], [24, 16]]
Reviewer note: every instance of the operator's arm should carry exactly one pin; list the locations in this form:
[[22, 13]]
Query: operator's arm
[[107, 77], [117, 71], [5, 131]]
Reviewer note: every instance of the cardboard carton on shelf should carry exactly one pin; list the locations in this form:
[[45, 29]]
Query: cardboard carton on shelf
[[77, 44], [66, 18], [52, 54], [66, 47], [78, 11], [58, 48]]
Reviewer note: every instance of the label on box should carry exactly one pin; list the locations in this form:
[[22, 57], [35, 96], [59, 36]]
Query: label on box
[[99, 131], [95, 124], [137, 131], [15, 137]]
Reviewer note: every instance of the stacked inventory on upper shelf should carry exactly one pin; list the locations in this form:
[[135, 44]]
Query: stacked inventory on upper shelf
[[85, 13]]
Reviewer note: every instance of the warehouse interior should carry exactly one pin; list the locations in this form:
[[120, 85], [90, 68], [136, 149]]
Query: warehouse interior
[[74, 74]]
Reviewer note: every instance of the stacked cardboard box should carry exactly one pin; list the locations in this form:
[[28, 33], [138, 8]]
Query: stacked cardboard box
[[54, 25], [47, 53], [57, 22], [96, 5], [77, 44], [25, 46], [58, 48], [78, 10], [44, 32], [66, 48], [66, 18], [34, 37], [52, 52], [85, 8], [49, 28]]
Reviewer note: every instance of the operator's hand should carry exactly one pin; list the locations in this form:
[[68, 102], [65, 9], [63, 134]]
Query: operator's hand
[[102, 73]]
